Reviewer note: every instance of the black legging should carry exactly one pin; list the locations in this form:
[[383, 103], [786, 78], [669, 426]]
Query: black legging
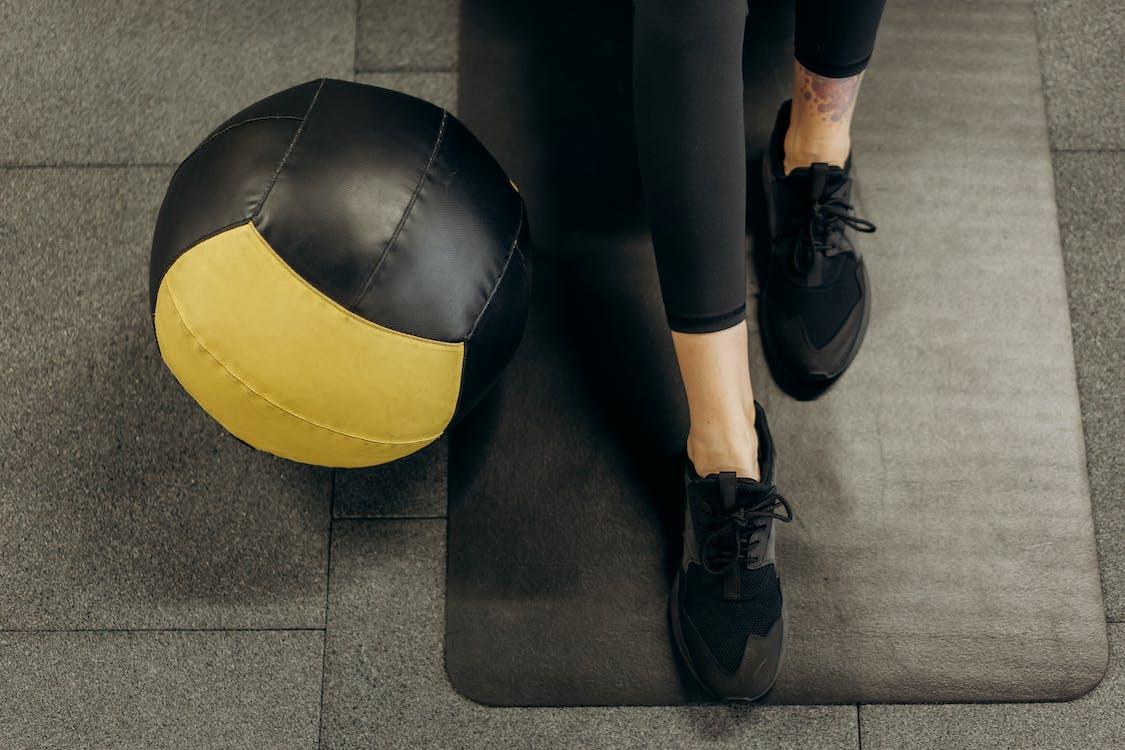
[[687, 98]]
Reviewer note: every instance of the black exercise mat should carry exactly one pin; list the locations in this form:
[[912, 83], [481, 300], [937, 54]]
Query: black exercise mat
[[943, 549]]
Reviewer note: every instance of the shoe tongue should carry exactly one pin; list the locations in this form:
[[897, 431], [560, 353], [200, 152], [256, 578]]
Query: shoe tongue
[[818, 180], [804, 186], [824, 180], [726, 491]]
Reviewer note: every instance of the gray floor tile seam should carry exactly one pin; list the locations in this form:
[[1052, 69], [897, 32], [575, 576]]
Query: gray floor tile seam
[[858, 728], [327, 585], [89, 165], [1102, 150], [998, 703], [1051, 135], [359, 520], [63, 631]]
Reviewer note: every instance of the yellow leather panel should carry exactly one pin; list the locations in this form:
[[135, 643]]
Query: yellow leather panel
[[290, 371]]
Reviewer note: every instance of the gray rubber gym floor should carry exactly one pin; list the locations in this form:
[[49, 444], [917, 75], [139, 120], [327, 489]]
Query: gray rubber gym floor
[[163, 587]]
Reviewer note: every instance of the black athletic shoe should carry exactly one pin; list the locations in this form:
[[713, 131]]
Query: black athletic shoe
[[728, 617], [814, 300]]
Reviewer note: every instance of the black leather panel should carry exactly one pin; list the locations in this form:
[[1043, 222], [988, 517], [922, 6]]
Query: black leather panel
[[448, 254], [500, 328], [218, 186], [346, 184], [292, 102]]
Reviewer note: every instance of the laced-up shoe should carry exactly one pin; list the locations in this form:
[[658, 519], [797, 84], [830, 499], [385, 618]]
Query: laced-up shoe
[[727, 612], [814, 301]]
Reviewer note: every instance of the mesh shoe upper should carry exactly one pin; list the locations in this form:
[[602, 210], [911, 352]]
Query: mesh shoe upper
[[725, 624]]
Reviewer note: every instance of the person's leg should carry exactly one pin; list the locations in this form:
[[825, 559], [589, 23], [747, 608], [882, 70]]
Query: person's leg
[[833, 45], [716, 376], [725, 605], [687, 85]]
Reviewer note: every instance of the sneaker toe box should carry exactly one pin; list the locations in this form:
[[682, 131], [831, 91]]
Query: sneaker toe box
[[732, 646], [756, 671], [814, 340]]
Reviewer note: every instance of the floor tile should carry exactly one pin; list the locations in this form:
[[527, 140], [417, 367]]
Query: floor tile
[[1082, 53], [124, 505], [160, 690], [1094, 722], [1090, 193], [420, 35], [409, 487], [136, 81], [385, 685]]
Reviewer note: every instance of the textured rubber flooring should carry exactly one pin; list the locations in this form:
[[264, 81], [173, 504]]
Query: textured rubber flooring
[[163, 586]]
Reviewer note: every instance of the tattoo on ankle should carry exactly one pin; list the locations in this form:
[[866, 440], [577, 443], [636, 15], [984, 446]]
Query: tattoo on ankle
[[829, 99]]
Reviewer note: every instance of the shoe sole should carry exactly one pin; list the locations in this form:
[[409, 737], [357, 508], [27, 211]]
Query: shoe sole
[[772, 354], [681, 646]]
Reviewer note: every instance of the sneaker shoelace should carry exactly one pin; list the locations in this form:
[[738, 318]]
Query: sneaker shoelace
[[731, 542], [824, 231]]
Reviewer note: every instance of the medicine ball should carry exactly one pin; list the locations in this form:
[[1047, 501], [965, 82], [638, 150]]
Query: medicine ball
[[339, 272]]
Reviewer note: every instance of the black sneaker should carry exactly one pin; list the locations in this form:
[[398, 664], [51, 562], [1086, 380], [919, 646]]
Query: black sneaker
[[814, 299], [728, 617]]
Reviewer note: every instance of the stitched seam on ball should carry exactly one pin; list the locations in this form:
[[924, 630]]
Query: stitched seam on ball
[[175, 259], [499, 279], [285, 156], [516, 242], [405, 214], [266, 399], [337, 308], [237, 125], [199, 148]]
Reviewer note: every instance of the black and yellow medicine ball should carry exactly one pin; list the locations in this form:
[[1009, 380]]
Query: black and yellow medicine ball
[[339, 273]]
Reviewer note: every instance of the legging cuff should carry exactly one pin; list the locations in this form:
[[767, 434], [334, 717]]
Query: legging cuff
[[831, 70], [706, 324]]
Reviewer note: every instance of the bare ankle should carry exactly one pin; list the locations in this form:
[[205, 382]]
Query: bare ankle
[[820, 119], [801, 151], [720, 400], [712, 451]]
